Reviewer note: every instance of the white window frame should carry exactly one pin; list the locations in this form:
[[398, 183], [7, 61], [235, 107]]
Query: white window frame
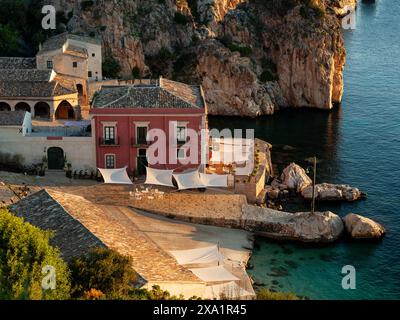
[[110, 124], [178, 157], [105, 160], [181, 124], [141, 125]]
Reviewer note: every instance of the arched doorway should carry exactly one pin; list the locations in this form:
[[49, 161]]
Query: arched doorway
[[22, 106], [65, 111], [55, 158], [42, 110], [4, 106]]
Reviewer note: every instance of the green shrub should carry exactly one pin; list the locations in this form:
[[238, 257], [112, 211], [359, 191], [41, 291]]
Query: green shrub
[[85, 5], [165, 54], [105, 270], [243, 50], [180, 18], [267, 76], [111, 68], [135, 72], [156, 293], [265, 294], [24, 251], [8, 41]]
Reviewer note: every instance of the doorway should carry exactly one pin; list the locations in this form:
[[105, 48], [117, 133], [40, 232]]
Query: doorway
[[55, 158], [142, 162]]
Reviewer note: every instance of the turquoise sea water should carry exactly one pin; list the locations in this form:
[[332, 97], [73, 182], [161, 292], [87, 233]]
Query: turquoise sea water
[[357, 143]]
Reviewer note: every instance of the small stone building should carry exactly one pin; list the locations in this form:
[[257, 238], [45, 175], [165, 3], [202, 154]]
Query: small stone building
[[54, 84], [41, 92]]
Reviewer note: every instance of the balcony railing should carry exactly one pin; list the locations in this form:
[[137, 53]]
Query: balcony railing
[[180, 141], [140, 142], [114, 142]]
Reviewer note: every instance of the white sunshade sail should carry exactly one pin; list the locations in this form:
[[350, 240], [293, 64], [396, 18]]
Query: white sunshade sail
[[214, 274], [115, 176], [159, 177], [189, 180], [200, 255], [239, 150], [230, 290], [234, 141], [214, 180]]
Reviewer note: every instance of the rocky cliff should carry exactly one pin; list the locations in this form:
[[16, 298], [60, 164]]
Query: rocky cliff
[[251, 57]]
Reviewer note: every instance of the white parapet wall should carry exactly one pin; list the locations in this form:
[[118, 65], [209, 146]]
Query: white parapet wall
[[186, 289], [79, 151]]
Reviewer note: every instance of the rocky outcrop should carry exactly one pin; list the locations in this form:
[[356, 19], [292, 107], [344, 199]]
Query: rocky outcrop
[[231, 86], [332, 192], [301, 226], [339, 6], [295, 178], [252, 57], [359, 227]]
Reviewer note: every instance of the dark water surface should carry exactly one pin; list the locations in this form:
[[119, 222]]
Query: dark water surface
[[357, 143]]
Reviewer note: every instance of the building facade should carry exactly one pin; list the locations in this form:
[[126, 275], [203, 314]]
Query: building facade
[[53, 85], [124, 119]]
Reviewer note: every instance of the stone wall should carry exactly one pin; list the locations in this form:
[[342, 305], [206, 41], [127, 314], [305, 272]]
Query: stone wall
[[253, 185], [79, 150]]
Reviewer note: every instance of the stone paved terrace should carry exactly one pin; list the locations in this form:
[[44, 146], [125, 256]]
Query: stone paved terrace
[[112, 226], [214, 206]]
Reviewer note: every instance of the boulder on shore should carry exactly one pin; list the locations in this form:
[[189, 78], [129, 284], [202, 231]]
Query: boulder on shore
[[359, 227], [295, 177], [332, 192], [301, 226]]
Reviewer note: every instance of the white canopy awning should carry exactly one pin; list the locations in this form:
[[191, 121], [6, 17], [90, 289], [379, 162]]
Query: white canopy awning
[[214, 180], [234, 141], [159, 177], [188, 180], [229, 290], [214, 274], [115, 176], [232, 150], [200, 255]]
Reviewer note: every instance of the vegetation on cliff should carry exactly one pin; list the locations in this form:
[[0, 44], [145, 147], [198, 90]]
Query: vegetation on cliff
[[221, 44]]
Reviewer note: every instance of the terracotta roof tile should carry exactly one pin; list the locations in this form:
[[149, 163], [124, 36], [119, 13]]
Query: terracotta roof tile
[[17, 63], [12, 118], [79, 224], [165, 94]]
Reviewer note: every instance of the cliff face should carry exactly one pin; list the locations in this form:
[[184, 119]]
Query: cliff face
[[250, 57]]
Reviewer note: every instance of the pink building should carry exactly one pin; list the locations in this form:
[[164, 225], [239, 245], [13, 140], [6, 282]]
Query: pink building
[[124, 117]]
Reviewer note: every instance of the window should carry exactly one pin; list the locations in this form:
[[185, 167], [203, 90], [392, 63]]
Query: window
[[141, 135], [110, 161], [181, 153], [49, 64], [109, 135], [89, 74], [181, 134], [74, 64]]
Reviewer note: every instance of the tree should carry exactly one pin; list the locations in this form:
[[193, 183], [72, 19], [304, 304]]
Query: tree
[[111, 68], [104, 270], [8, 41], [24, 252]]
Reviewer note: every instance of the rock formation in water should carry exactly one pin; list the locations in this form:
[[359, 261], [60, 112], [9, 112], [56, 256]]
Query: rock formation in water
[[301, 226], [251, 57], [295, 178], [332, 192], [359, 227]]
